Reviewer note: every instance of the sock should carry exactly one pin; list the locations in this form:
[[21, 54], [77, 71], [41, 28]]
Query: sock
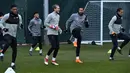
[[1, 54], [47, 57], [77, 57], [110, 57], [40, 51], [12, 64], [119, 48], [31, 49], [75, 40], [53, 59]]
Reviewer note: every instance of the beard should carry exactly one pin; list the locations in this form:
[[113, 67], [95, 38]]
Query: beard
[[81, 14], [57, 12]]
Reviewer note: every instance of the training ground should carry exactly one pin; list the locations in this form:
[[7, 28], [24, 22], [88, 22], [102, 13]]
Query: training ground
[[95, 60]]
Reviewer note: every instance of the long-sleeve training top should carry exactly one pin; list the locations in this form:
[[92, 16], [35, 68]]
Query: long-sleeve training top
[[11, 22], [115, 24], [52, 19], [35, 26], [76, 21]]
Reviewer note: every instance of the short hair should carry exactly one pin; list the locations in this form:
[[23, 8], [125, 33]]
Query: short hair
[[119, 9], [1, 14], [81, 7], [54, 6], [36, 13], [14, 5]]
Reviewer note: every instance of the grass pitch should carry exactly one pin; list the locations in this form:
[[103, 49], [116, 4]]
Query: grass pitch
[[95, 60]]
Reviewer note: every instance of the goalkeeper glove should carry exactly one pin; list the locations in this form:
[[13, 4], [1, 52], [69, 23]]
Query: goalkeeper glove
[[5, 30]]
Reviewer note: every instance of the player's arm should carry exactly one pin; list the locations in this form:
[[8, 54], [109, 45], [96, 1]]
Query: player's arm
[[47, 22], [69, 21], [30, 26], [6, 16], [3, 20], [86, 21], [59, 29], [20, 22], [42, 25], [111, 23]]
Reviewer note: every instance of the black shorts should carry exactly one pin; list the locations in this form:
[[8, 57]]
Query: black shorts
[[76, 32], [37, 39], [54, 40]]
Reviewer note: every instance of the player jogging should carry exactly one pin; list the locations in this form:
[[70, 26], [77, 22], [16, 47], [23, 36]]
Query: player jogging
[[12, 21], [53, 30], [35, 27]]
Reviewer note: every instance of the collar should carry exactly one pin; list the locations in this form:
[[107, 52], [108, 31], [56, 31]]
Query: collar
[[79, 15], [36, 18], [118, 15], [55, 13], [13, 14]]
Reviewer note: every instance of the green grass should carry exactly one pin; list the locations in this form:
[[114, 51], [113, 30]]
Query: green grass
[[95, 61]]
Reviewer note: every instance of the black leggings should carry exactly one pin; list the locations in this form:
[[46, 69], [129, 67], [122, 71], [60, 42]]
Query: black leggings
[[77, 34], [114, 38], [54, 41], [37, 39], [10, 41]]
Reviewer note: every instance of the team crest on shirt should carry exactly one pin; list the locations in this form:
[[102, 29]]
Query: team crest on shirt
[[16, 17]]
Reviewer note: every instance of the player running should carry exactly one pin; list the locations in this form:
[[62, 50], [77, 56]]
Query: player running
[[35, 27], [76, 23], [12, 21], [116, 32], [53, 30]]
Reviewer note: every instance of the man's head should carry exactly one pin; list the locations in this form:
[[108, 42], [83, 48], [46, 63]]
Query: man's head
[[81, 11], [1, 14], [120, 11], [56, 8], [14, 9], [36, 15]]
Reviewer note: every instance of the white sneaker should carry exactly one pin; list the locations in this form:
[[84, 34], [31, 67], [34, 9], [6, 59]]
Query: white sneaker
[[128, 55], [46, 61], [54, 63], [119, 48]]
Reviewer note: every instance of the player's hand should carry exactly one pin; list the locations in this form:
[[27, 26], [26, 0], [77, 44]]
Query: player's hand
[[60, 31], [123, 30], [52, 26], [43, 27], [86, 24], [30, 33], [21, 26], [113, 33], [5, 30], [56, 27]]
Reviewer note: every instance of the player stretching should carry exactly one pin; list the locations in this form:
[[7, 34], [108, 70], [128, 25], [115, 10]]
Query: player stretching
[[52, 24], [35, 27], [116, 32], [12, 21], [77, 20]]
